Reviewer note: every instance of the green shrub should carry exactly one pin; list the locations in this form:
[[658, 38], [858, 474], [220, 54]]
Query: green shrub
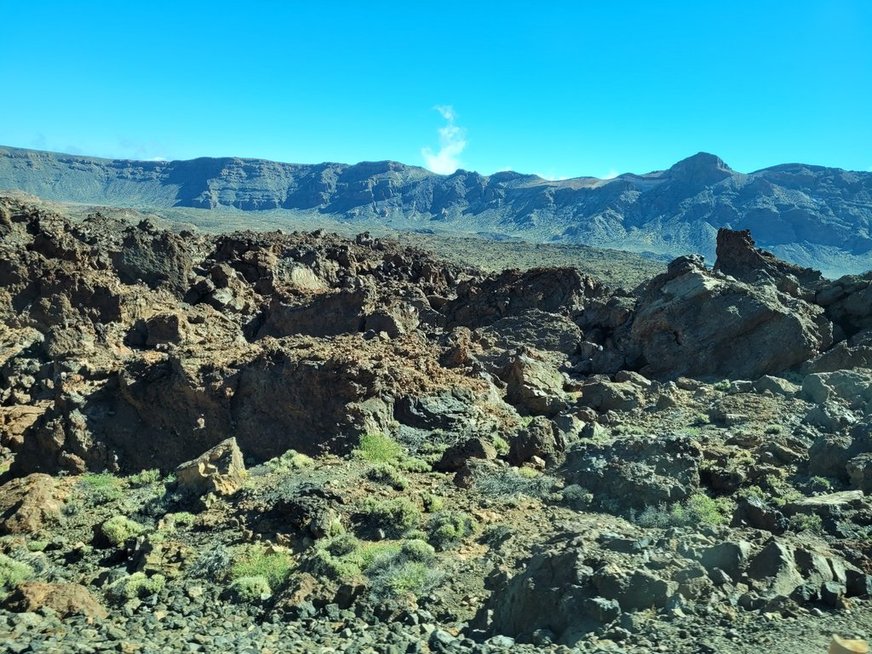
[[137, 585], [179, 519], [410, 570], [12, 572], [144, 478], [820, 485], [101, 488], [394, 516], [501, 445], [289, 461], [528, 473], [414, 464], [812, 523], [119, 529], [577, 497], [345, 557], [258, 561], [698, 509], [250, 589], [508, 483], [448, 528], [415, 549], [432, 503], [376, 447], [385, 473], [709, 511]]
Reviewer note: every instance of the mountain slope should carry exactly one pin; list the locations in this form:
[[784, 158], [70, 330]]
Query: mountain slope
[[809, 214]]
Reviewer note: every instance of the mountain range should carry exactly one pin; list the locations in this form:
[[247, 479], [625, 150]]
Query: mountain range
[[812, 215]]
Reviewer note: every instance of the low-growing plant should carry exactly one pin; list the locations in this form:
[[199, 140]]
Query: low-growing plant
[[528, 473], [250, 589], [432, 503], [212, 563], [394, 516], [179, 519], [698, 509], [577, 497], [509, 483], [501, 445], [119, 529], [376, 447], [448, 528], [820, 485], [138, 585], [411, 570], [101, 488], [810, 522], [144, 478], [274, 565], [13, 572], [289, 461], [385, 473], [346, 557]]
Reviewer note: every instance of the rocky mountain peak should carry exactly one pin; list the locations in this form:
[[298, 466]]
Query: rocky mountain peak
[[702, 168]]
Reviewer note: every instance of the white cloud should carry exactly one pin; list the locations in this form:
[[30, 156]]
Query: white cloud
[[552, 176], [452, 142], [611, 174]]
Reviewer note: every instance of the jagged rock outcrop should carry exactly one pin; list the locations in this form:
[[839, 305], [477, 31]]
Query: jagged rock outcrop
[[692, 322]]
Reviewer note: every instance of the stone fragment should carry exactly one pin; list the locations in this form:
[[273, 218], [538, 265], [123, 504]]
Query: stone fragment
[[219, 469]]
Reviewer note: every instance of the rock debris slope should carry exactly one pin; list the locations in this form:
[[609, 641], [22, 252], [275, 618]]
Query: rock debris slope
[[292, 441]]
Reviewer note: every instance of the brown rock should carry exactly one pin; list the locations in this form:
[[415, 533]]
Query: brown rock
[[220, 470], [28, 503], [64, 599]]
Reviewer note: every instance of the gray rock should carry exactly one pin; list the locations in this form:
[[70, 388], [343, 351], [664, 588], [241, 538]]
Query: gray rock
[[729, 557]]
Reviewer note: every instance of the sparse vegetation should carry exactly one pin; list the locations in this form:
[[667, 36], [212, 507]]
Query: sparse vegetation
[[447, 529], [394, 516], [697, 509], [384, 473], [101, 488], [273, 564], [809, 522], [376, 447], [138, 585], [144, 478], [250, 589], [13, 572], [290, 461], [118, 529]]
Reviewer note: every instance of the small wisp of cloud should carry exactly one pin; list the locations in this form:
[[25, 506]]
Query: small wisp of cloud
[[452, 142]]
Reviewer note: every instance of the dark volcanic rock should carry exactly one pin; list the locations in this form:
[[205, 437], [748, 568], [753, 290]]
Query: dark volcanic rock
[[692, 322], [637, 472]]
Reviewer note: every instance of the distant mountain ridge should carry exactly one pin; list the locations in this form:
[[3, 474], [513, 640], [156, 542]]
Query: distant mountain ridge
[[812, 215]]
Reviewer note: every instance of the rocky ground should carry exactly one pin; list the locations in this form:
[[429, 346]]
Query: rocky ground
[[300, 442]]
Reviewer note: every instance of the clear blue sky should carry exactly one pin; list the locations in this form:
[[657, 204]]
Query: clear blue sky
[[556, 88]]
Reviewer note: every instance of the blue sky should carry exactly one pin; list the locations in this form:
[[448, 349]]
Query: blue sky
[[555, 88]]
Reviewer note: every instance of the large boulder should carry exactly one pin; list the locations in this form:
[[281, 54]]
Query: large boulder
[[635, 473], [534, 385], [219, 470], [62, 598], [692, 322], [28, 504]]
